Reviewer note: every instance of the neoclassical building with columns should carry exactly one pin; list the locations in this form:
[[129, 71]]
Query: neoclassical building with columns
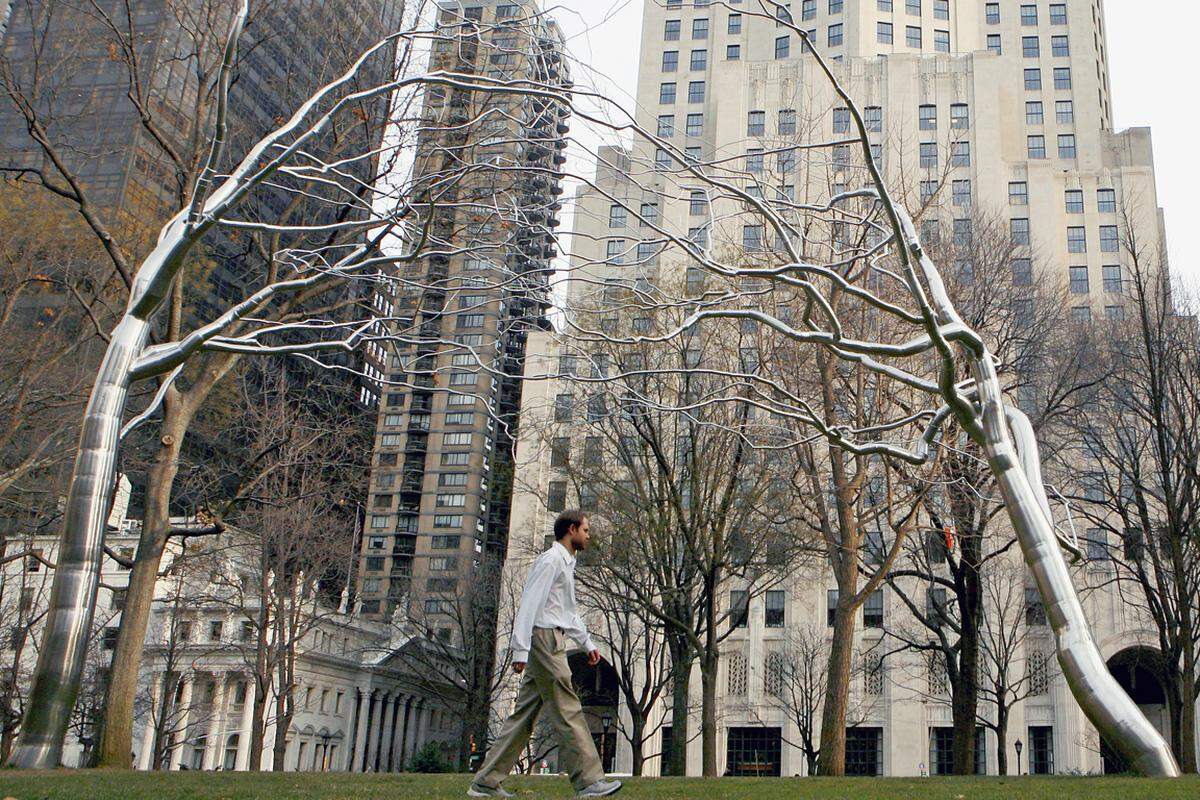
[[365, 696]]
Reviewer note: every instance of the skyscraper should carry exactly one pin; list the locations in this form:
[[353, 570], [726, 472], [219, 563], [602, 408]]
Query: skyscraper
[[441, 477], [974, 109]]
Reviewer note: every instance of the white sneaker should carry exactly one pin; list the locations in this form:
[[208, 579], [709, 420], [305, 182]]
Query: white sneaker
[[478, 790], [601, 788]]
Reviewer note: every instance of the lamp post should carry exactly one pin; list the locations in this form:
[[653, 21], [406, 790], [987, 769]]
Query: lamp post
[[1018, 745], [605, 724]]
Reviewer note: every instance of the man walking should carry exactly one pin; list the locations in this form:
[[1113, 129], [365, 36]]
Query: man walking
[[539, 651]]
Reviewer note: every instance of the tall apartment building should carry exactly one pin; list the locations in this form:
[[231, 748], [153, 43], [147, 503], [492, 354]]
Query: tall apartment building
[[442, 471], [974, 107]]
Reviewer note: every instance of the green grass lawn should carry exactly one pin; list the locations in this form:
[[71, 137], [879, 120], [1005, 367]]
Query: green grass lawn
[[102, 785]]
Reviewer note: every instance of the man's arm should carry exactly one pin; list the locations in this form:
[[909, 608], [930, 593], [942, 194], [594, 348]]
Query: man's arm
[[533, 598], [578, 632]]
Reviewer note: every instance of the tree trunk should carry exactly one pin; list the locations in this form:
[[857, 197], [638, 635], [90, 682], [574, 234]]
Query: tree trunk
[[68, 623], [965, 701], [708, 712], [116, 736], [1002, 742], [283, 721], [681, 676], [637, 742], [258, 728], [1187, 715], [832, 758]]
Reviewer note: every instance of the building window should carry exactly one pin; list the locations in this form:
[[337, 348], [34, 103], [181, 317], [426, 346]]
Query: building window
[[733, 52], [960, 154], [941, 41], [1066, 145], [960, 117], [1035, 612], [1058, 14], [1041, 750], [927, 117], [666, 93], [1029, 15], [808, 9], [835, 6], [912, 36], [735, 23], [1064, 112], [1074, 201], [1097, 545], [1022, 272], [1060, 47], [753, 752], [993, 43], [831, 603], [696, 91], [1112, 278], [913, 7], [962, 193], [1076, 239], [1036, 146], [883, 5], [883, 32], [1062, 77], [618, 215], [835, 35], [754, 161], [670, 60], [873, 610], [739, 609], [1018, 193], [841, 120], [1030, 47], [1109, 240], [756, 123], [1079, 280], [873, 117], [699, 60], [697, 202], [1019, 231], [666, 125], [928, 155], [671, 30], [1033, 79], [1106, 201], [864, 751], [752, 238], [774, 604], [1034, 114], [992, 13], [556, 496], [1081, 314], [700, 28], [787, 122], [941, 9], [694, 125]]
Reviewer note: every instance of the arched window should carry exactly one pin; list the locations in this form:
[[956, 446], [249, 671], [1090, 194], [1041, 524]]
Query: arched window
[[231, 753]]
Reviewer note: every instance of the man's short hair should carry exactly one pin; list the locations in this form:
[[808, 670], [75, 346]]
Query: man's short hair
[[567, 520]]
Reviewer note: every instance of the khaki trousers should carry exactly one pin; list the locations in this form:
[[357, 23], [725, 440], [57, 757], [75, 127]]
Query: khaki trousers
[[546, 684]]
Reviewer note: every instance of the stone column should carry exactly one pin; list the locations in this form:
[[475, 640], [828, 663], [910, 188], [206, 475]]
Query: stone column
[[385, 742], [156, 699], [401, 729], [185, 702], [359, 746], [377, 701], [247, 724], [214, 743], [418, 726]]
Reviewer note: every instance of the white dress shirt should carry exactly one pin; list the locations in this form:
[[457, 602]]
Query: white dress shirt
[[548, 601]]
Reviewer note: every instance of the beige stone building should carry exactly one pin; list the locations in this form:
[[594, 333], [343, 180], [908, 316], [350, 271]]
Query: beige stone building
[[974, 108]]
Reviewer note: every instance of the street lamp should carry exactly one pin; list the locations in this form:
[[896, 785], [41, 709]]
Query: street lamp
[[1017, 744], [605, 724]]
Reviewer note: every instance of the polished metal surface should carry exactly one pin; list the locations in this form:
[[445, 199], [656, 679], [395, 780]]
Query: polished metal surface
[[80, 555]]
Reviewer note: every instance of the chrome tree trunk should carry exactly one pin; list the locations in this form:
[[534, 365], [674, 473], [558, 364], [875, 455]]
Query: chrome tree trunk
[[80, 555], [1017, 470]]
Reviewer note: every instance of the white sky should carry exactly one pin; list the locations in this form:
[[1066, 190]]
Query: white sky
[[1148, 41]]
